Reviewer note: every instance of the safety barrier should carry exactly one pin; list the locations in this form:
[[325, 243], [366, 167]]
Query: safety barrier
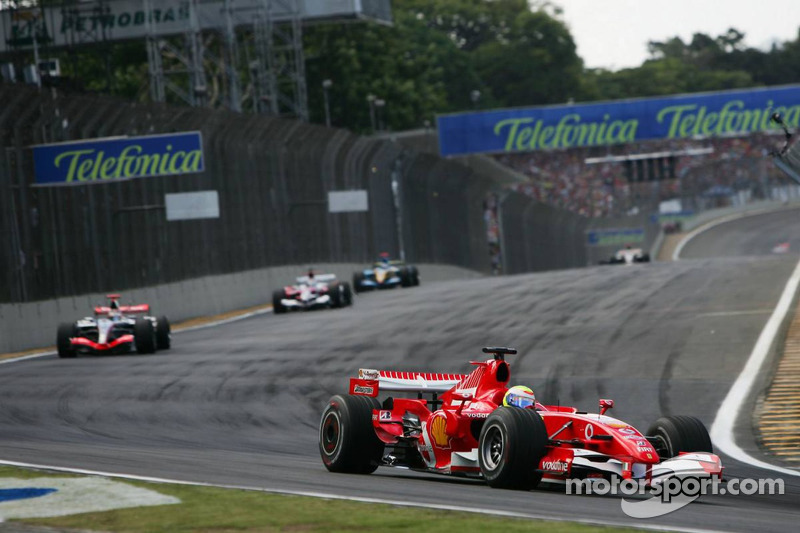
[[272, 177]]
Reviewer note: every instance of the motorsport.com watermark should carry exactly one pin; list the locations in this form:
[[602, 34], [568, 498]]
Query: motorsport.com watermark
[[671, 494]]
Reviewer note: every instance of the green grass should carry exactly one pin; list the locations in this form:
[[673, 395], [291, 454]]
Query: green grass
[[206, 509]]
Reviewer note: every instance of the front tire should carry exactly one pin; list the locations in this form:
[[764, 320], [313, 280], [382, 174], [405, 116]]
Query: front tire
[[335, 292], [144, 336], [163, 333], [358, 279], [63, 342], [347, 294], [277, 303], [347, 440], [405, 277], [679, 434], [511, 444], [414, 276]]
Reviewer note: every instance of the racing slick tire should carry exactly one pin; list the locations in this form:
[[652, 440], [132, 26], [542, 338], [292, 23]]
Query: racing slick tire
[[347, 440], [163, 333], [277, 304], [511, 444], [347, 294], [335, 291], [358, 278], [414, 276], [144, 335], [405, 277], [63, 344], [645, 258], [679, 434]]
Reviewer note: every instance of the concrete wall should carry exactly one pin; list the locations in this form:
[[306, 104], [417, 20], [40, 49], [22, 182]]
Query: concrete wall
[[33, 325]]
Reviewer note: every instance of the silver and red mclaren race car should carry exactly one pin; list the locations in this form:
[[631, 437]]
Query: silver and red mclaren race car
[[313, 291], [470, 426], [114, 329]]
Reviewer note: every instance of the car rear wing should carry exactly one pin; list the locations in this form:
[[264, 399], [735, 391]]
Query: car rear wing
[[318, 277], [369, 382], [141, 308]]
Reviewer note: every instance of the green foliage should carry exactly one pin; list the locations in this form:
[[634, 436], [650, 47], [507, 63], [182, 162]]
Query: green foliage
[[439, 54]]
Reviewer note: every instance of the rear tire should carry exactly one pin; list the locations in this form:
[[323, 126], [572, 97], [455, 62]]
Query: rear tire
[[63, 343], [347, 440], [163, 333], [144, 336], [680, 434], [277, 305], [511, 444]]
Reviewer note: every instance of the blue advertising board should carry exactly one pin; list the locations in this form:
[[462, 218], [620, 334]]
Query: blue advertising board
[[615, 237], [617, 122], [118, 158]]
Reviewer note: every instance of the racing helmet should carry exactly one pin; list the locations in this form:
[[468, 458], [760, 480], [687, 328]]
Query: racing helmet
[[519, 396]]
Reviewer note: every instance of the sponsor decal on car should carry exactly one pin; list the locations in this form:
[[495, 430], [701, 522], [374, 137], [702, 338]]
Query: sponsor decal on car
[[368, 373], [555, 466], [438, 431], [386, 415], [477, 415], [361, 389]]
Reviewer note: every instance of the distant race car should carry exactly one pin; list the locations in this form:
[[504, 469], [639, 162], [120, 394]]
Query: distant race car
[[628, 256], [114, 329], [385, 274], [474, 425], [312, 292]]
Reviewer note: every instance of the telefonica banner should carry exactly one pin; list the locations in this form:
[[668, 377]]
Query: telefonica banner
[[119, 158], [623, 121]]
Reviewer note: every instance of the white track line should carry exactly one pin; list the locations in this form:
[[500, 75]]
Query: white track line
[[331, 496], [724, 422]]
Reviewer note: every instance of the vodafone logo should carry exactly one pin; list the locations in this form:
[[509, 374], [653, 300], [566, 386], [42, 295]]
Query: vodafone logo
[[555, 466]]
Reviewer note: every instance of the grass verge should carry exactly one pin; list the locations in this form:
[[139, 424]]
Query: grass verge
[[208, 509]]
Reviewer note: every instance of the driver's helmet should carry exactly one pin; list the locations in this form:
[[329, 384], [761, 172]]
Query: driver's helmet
[[519, 396], [384, 258], [310, 276], [114, 311]]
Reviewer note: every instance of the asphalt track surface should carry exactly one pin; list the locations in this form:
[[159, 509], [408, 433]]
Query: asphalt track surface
[[240, 403]]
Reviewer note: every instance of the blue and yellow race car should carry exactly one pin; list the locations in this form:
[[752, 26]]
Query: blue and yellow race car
[[385, 274]]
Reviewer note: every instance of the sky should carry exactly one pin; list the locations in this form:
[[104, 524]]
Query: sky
[[613, 34]]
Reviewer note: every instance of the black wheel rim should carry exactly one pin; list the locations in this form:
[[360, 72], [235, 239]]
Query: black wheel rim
[[492, 448], [330, 433]]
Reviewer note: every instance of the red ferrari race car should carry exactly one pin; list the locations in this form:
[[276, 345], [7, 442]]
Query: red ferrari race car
[[474, 425], [114, 329]]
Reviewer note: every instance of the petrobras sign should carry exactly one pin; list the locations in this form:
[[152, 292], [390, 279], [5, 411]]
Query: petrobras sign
[[617, 122], [118, 158], [115, 20]]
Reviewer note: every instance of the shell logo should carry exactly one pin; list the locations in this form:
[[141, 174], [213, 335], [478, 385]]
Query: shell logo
[[440, 438]]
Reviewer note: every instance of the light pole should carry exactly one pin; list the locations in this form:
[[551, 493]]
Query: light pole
[[475, 95], [326, 85], [380, 103], [371, 101]]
